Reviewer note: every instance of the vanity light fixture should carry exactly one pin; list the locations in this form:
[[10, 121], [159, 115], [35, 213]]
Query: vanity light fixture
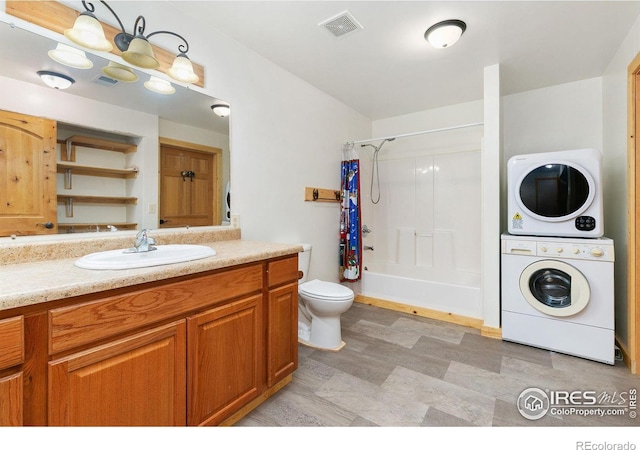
[[70, 57], [119, 72], [55, 80], [221, 110], [136, 49], [446, 33], [159, 86]]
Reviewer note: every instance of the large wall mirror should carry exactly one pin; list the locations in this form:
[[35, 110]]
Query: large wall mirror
[[183, 124]]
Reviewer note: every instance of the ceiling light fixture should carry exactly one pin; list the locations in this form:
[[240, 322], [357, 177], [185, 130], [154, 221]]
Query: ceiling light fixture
[[70, 56], [55, 80], [221, 110], [159, 86], [136, 49], [446, 33]]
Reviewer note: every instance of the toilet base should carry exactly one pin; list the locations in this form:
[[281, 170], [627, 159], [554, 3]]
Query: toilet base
[[308, 344]]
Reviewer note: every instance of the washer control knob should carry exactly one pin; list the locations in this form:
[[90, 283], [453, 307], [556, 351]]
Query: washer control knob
[[543, 249], [576, 251], [597, 252], [559, 250]]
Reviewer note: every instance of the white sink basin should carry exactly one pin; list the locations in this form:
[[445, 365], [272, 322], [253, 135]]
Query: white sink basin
[[164, 254]]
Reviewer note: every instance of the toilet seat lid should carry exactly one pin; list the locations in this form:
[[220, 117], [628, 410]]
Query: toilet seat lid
[[325, 290]]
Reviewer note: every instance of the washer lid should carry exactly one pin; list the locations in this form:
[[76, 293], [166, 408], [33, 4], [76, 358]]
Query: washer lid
[[325, 290]]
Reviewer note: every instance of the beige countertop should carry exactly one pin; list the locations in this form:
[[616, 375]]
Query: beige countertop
[[40, 281]]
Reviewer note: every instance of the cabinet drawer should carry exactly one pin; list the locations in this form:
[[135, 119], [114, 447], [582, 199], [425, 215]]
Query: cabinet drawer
[[11, 342], [283, 271], [81, 324]]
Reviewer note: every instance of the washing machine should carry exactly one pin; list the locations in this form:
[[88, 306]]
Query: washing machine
[[558, 294]]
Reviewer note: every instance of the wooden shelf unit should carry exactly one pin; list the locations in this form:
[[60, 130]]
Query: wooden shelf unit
[[91, 142], [63, 198], [77, 169], [83, 227], [68, 167]]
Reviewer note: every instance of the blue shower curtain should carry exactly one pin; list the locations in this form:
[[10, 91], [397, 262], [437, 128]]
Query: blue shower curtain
[[350, 230]]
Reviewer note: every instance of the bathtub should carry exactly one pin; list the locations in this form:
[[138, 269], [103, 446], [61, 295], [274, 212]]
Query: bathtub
[[443, 291]]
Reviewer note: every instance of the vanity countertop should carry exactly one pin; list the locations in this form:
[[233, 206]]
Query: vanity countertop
[[35, 282]]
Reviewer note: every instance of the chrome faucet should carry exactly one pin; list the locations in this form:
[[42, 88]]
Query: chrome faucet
[[143, 243]]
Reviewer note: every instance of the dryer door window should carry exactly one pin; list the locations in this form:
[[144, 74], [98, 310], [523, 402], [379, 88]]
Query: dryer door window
[[556, 191], [555, 288]]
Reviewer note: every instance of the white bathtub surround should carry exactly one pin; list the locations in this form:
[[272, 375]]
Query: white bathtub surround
[[427, 227], [427, 233]]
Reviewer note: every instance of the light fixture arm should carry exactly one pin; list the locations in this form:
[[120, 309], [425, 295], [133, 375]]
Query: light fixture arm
[[123, 39], [182, 48]]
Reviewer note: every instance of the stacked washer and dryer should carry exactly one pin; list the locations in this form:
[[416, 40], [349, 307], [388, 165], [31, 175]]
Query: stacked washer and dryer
[[557, 268]]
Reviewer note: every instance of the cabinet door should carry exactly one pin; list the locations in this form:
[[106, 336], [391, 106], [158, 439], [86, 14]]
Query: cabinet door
[[224, 355], [27, 174], [135, 381], [282, 348], [11, 400]]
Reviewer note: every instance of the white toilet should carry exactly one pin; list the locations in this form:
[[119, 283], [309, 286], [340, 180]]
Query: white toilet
[[320, 304]]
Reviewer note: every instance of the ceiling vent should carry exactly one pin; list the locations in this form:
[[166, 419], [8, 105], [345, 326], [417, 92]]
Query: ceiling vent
[[341, 24], [104, 81]]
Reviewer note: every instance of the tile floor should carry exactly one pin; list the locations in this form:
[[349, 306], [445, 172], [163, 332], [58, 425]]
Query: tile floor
[[403, 370]]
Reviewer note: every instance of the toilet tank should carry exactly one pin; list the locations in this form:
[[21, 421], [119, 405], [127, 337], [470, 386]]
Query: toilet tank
[[304, 261]]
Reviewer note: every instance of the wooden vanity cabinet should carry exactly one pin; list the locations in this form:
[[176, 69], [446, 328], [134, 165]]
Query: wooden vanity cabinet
[[203, 349], [135, 381], [282, 320], [11, 375], [224, 360]]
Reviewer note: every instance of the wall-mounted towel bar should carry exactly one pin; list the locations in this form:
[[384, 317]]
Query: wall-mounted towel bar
[[312, 194]]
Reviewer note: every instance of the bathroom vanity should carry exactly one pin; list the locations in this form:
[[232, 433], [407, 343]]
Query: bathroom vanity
[[195, 343]]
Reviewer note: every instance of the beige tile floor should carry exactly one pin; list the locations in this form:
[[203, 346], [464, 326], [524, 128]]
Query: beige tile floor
[[402, 370]]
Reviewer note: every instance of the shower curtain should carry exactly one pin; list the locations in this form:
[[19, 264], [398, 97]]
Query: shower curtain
[[350, 230]]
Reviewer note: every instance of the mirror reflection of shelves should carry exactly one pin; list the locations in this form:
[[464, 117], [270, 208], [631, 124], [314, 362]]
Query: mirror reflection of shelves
[[94, 176], [93, 228], [76, 169]]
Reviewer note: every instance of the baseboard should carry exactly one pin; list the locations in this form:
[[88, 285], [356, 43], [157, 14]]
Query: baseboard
[[626, 358], [457, 319], [256, 402]]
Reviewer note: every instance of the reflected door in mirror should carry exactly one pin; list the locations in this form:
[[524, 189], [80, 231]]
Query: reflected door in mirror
[[188, 184], [27, 175]]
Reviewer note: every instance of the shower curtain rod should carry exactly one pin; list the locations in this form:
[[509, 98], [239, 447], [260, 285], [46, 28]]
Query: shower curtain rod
[[417, 133]]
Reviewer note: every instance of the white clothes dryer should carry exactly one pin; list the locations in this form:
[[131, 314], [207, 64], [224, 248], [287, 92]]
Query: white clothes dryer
[[555, 194], [558, 294]]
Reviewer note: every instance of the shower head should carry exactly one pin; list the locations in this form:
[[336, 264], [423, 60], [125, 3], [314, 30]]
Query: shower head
[[377, 149]]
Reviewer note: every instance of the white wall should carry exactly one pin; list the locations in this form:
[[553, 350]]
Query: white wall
[[615, 143]]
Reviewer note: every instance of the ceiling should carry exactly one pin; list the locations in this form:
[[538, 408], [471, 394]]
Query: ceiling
[[387, 68]]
